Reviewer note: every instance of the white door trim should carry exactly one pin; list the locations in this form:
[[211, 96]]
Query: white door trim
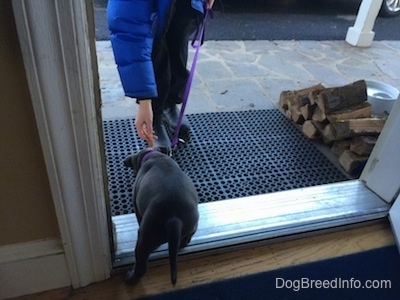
[[382, 171], [57, 43], [394, 217], [19, 265]]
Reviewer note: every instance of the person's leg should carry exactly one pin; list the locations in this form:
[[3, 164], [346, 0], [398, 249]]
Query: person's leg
[[162, 70], [184, 22]]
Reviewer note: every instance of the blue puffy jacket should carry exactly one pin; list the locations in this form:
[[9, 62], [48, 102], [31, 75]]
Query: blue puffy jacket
[[134, 24]]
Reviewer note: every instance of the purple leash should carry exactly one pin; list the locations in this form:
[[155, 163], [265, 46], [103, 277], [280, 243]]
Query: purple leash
[[196, 43]]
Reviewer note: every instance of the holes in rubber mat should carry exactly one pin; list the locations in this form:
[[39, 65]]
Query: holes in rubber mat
[[230, 155]]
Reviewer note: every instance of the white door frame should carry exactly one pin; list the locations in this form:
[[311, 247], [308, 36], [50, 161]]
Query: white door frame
[[57, 44], [382, 171], [58, 47], [394, 217]]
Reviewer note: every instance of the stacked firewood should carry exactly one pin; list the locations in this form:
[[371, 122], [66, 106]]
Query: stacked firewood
[[340, 116]]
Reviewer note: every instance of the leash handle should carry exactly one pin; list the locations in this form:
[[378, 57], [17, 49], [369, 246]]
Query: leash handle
[[196, 43]]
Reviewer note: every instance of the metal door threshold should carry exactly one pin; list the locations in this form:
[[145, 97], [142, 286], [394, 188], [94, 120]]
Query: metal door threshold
[[269, 216]]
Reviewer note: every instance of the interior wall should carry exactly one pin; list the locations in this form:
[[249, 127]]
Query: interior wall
[[26, 208]]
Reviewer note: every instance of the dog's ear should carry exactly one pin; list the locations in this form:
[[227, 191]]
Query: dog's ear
[[128, 161], [134, 160]]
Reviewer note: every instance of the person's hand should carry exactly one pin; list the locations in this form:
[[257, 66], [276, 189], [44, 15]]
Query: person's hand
[[209, 4], [144, 122]]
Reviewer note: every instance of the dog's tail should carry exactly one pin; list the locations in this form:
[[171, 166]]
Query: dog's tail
[[174, 233]]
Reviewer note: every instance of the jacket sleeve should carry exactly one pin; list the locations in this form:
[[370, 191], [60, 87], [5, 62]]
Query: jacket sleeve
[[131, 23]]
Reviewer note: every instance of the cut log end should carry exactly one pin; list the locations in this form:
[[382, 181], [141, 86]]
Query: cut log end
[[310, 130], [351, 162]]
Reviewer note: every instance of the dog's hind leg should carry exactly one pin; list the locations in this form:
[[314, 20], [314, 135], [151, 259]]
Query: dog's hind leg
[[187, 238], [185, 241], [143, 250]]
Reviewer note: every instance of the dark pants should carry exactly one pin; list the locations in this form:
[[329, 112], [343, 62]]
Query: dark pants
[[170, 54]]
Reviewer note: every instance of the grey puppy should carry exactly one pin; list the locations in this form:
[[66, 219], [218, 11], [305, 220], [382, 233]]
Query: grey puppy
[[165, 203]]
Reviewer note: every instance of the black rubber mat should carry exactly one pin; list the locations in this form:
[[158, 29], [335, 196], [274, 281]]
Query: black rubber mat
[[230, 155]]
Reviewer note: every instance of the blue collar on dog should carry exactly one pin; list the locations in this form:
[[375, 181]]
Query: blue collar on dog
[[147, 155]]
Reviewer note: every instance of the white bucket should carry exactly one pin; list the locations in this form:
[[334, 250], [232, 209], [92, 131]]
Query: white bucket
[[381, 96]]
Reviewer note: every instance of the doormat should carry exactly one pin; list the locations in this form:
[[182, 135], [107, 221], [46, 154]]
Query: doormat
[[229, 155], [372, 274]]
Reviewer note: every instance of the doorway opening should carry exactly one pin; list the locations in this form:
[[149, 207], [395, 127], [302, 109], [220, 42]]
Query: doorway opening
[[235, 95]]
